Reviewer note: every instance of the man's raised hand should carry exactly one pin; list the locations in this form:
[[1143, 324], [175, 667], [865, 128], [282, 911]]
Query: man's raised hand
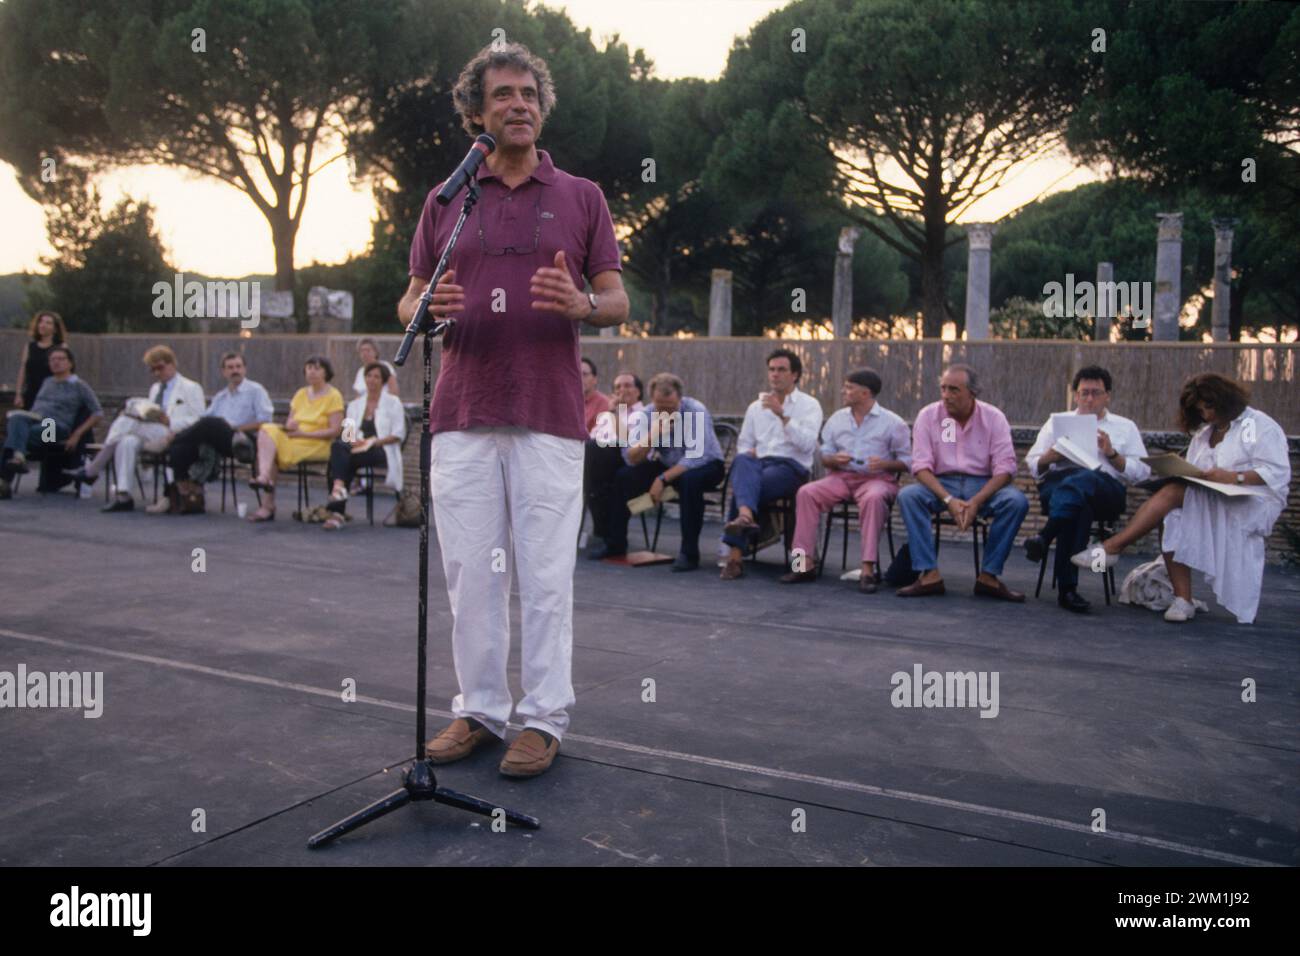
[[554, 291]]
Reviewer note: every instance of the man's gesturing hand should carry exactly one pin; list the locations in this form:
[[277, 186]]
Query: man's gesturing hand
[[448, 298], [556, 292]]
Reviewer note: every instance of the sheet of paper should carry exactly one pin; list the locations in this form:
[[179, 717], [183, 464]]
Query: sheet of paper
[[1231, 491], [1080, 429], [1072, 451]]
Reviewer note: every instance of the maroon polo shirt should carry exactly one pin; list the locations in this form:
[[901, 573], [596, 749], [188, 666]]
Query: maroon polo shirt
[[514, 365]]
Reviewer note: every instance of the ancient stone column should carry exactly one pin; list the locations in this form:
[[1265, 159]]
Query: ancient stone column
[[842, 290], [980, 251], [1169, 270], [720, 304], [1105, 301], [1220, 326]]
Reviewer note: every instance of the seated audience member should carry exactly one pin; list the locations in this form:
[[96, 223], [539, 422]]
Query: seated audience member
[[603, 455], [671, 442], [1219, 535], [774, 454], [380, 426], [594, 402], [963, 462], [63, 399], [45, 332], [864, 448], [1074, 496], [242, 406], [181, 401], [368, 353], [315, 419]]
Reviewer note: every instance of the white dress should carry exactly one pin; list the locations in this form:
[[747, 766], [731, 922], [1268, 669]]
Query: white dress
[[1223, 537]]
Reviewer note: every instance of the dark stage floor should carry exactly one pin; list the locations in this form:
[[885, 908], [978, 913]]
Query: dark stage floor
[[223, 693]]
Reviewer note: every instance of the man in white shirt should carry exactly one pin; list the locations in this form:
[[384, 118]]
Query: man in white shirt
[[1075, 497], [181, 403], [774, 453]]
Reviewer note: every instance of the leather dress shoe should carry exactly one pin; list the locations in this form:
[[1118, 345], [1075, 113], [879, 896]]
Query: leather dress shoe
[[798, 577], [683, 563], [1071, 601], [603, 552], [734, 568], [999, 591], [868, 584], [119, 504], [79, 474], [529, 755], [457, 741], [917, 589], [1035, 548]]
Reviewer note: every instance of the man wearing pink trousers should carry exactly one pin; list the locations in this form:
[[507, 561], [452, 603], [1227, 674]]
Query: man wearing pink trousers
[[864, 447]]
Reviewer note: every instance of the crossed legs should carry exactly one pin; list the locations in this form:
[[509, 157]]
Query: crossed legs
[[1145, 519]]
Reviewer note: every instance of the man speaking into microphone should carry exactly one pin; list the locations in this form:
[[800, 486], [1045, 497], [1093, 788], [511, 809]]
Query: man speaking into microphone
[[508, 415]]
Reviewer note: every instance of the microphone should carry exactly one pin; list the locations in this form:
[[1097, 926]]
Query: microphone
[[483, 144]]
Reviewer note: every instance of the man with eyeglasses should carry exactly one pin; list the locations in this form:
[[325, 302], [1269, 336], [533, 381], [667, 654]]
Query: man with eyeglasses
[[508, 418], [1074, 496], [179, 404]]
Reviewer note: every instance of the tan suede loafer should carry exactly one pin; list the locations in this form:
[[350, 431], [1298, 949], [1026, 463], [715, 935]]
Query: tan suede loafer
[[457, 741], [528, 755]]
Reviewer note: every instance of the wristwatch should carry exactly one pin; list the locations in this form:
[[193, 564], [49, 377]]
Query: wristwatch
[[591, 297], [1113, 455], [946, 500], [1241, 477]]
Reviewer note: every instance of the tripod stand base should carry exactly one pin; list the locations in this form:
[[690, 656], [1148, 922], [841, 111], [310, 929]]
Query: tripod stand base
[[419, 783]]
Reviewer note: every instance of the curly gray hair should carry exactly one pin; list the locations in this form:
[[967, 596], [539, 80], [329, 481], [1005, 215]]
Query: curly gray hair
[[467, 94]]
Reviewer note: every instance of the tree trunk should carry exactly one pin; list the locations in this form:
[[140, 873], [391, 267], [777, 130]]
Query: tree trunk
[[933, 291], [283, 234]]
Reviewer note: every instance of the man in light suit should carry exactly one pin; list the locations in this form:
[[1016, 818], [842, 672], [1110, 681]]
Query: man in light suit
[[181, 401]]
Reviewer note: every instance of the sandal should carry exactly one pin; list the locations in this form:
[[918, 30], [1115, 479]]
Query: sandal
[[257, 517], [333, 522], [258, 484]]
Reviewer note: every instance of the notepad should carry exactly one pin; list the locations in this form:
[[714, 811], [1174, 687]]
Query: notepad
[[1170, 465], [644, 502]]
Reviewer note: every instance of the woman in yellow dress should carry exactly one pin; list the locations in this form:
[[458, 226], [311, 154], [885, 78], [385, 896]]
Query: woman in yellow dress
[[315, 419]]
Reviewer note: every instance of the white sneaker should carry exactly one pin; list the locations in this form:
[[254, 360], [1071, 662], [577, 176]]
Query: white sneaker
[[1180, 611], [1085, 557]]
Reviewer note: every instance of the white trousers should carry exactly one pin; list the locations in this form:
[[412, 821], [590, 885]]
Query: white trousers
[[125, 439], [509, 499]]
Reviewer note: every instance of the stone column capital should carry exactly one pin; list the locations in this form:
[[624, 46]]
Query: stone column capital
[[1170, 228], [980, 234], [849, 235]]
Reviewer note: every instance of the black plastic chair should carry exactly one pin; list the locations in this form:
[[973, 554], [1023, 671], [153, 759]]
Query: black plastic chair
[[978, 527], [848, 513], [370, 474], [1103, 528], [781, 506], [726, 435]]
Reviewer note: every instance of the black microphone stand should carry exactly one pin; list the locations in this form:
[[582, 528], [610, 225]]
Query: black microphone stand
[[419, 782]]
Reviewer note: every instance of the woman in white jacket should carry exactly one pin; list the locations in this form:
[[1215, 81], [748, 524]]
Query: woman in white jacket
[[373, 429]]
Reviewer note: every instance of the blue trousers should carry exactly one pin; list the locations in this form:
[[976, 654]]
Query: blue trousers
[[756, 481], [1007, 509], [1074, 500]]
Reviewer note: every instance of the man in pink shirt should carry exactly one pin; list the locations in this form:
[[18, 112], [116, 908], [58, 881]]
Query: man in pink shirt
[[594, 402], [964, 463], [507, 418]]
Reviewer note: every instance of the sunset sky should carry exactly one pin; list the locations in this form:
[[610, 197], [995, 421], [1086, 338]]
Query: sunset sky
[[212, 228]]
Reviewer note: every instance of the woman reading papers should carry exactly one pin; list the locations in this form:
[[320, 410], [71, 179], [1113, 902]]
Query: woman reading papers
[[1217, 518]]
